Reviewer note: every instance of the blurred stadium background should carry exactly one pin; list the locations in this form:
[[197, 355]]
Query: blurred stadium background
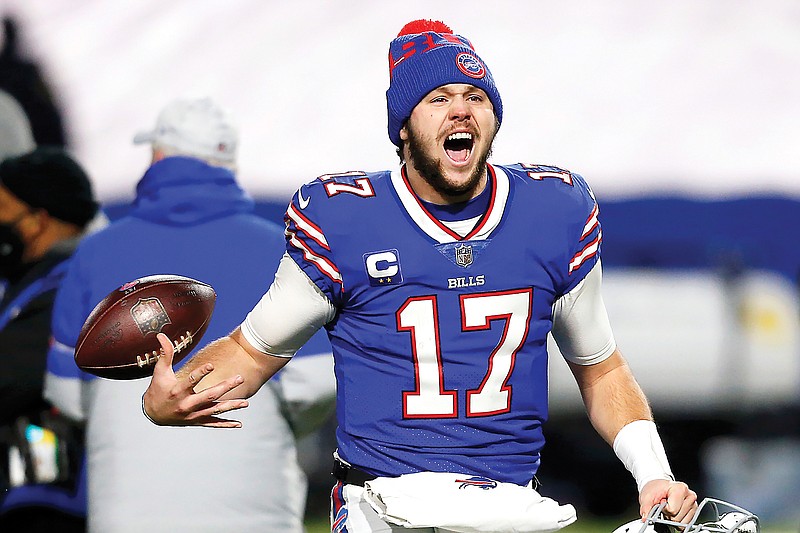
[[684, 116]]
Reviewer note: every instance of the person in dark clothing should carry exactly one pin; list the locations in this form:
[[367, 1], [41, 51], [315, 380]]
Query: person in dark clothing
[[46, 203], [24, 80], [16, 137]]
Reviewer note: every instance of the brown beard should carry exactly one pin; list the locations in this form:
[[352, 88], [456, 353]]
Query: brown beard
[[431, 169]]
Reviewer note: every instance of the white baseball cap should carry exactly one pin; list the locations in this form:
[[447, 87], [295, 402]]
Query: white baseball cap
[[195, 127]]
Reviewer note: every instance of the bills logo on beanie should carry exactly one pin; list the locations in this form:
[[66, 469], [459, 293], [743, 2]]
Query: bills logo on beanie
[[425, 55]]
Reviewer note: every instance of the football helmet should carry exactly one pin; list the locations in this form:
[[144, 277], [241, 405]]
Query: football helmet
[[712, 516]]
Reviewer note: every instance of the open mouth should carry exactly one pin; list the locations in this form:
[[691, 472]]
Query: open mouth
[[458, 146]]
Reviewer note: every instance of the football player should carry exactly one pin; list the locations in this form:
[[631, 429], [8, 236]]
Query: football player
[[438, 283]]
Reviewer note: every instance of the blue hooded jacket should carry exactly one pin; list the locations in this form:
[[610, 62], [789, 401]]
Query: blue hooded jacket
[[189, 219]]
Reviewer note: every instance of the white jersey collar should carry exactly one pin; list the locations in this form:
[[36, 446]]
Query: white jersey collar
[[439, 232]]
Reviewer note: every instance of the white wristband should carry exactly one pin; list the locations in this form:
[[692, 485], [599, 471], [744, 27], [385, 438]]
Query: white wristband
[[640, 449]]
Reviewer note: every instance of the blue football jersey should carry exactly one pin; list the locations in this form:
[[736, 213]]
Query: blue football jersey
[[440, 340]]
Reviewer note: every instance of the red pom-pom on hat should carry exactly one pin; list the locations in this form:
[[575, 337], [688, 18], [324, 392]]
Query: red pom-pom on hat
[[423, 25]]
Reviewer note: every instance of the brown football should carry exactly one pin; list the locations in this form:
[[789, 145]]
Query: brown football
[[118, 339]]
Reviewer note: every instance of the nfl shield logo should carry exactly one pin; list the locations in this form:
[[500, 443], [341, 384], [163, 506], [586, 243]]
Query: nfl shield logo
[[150, 315], [463, 255]]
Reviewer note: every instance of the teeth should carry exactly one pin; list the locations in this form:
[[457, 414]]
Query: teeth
[[459, 136]]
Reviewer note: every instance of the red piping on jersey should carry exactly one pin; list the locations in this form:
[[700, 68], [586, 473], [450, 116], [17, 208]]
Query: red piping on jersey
[[437, 222], [293, 214], [312, 258], [591, 222], [588, 251]]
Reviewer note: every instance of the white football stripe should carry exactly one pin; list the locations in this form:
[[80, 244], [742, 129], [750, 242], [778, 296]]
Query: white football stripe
[[322, 263], [307, 228], [588, 251], [591, 223]]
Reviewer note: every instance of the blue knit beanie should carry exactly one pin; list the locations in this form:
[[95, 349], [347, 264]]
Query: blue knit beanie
[[426, 55]]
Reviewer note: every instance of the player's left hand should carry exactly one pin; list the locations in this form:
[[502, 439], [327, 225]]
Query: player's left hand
[[681, 500]]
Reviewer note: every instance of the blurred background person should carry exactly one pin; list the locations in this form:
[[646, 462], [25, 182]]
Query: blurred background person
[[24, 80], [188, 207], [46, 203], [16, 137]]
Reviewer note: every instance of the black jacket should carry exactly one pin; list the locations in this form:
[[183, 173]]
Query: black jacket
[[25, 338]]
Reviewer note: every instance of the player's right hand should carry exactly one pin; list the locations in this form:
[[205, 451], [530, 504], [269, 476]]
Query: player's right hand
[[170, 401], [681, 500]]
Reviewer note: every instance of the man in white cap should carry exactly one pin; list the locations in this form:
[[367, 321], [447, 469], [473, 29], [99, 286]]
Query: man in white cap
[[191, 218], [194, 128]]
